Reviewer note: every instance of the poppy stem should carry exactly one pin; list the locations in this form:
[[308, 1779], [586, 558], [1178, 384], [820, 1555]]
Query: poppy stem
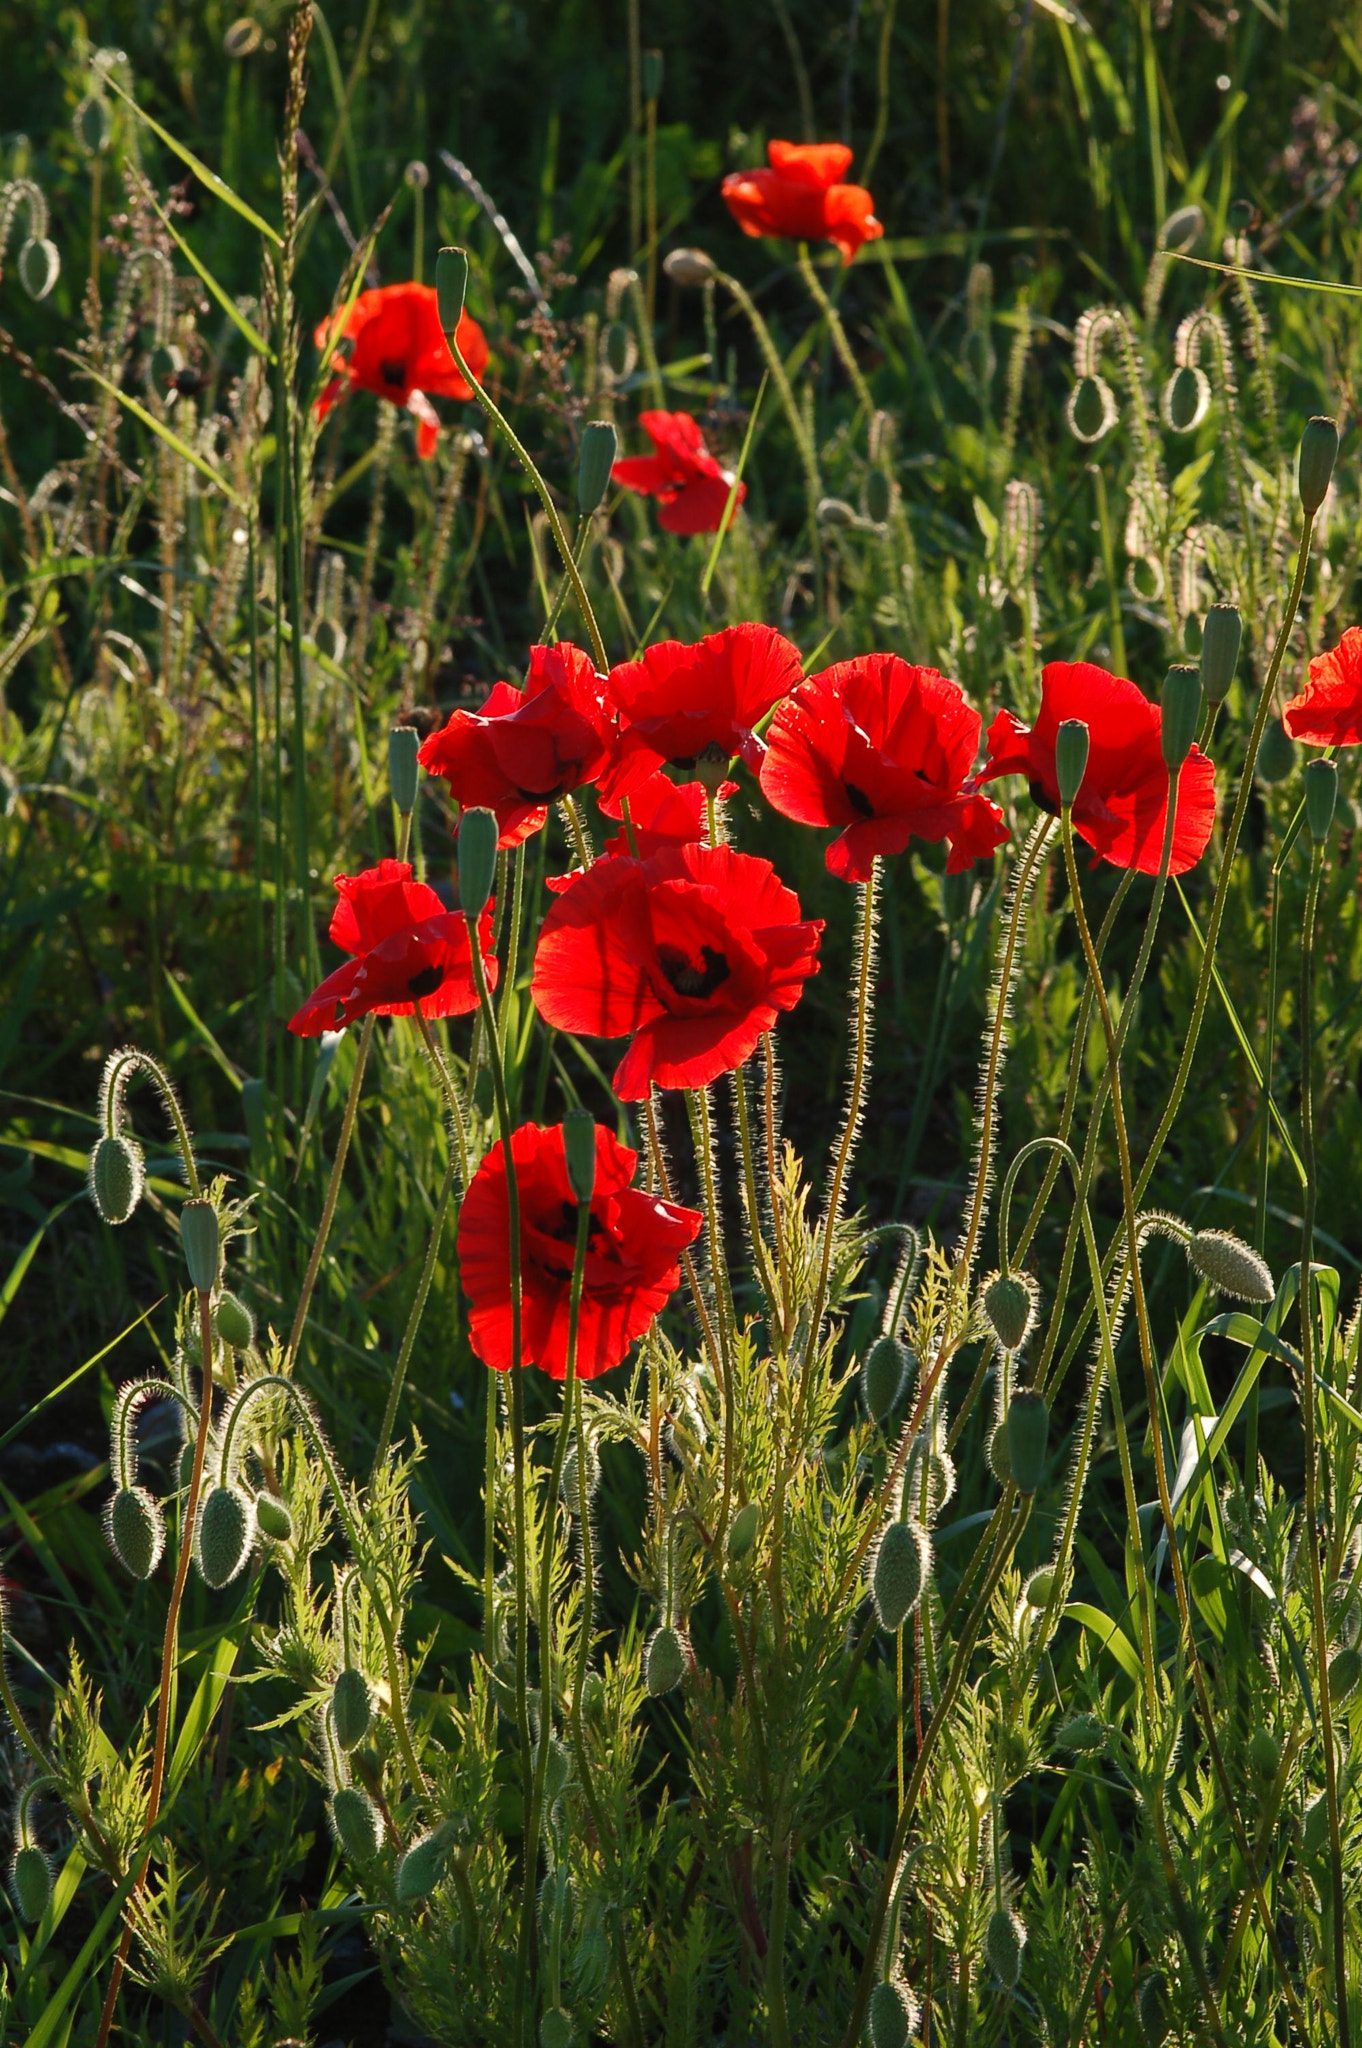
[[835, 329], [808, 455], [347, 1128], [697, 1102], [417, 1310], [774, 1297], [664, 1181]]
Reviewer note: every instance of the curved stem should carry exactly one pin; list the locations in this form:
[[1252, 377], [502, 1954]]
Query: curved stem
[[115, 1087], [414, 1318], [835, 328]]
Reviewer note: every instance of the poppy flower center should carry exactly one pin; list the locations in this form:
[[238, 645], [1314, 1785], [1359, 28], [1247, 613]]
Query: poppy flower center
[[426, 982], [393, 370], [691, 977], [858, 800]]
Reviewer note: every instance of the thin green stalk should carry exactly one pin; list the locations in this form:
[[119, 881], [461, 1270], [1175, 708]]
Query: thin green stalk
[[697, 1102], [835, 329], [347, 1128], [512, 944], [749, 1167], [1118, 638], [808, 457], [417, 1309]]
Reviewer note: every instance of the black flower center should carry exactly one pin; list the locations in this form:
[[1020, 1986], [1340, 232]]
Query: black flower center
[[393, 370], [426, 982], [690, 977], [1041, 800], [858, 800]]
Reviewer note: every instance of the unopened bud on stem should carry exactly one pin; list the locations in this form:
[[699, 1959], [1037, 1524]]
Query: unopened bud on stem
[[1319, 452], [600, 446], [1321, 795], [451, 287], [1180, 714], [579, 1152], [404, 744], [477, 860], [1071, 758], [1220, 637], [199, 1236]]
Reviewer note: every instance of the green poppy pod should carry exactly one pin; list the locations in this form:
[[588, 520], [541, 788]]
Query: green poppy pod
[[999, 1456], [419, 1871], [742, 1533], [1009, 1306], [891, 2016], [652, 70], [31, 1878], [1319, 452], [351, 1708], [477, 860], [902, 1563], [354, 1820], [135, 1530], [272, 1518], [1321, 798], [234, 1322], [1265, 1753], [884, 1376], [404, 744], [664, 1662], [117, 1178], [579, 1152], [202, 1246], [600, 446], [1004, 1940], [1071, 757], [1220, 638], [222, 1540], [1277, 753], [1028, 1436], [451, 287], [1180, 714]]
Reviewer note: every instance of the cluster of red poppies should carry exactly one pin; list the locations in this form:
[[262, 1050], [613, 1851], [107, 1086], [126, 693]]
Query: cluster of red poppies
[[678, 943]]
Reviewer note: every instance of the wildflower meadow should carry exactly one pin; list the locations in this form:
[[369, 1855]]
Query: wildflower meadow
[[680, 714]]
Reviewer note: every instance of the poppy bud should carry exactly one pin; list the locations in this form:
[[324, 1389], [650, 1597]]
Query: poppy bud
[[999, 1456], [223, 1537], [1315, 1826], [620, 349], [418, 1873], [1039, 1587], [39, 266], [555, 2029], [477, 860], [1276, 754], [1240, 216], [836, 512], [1345, 1668], [1082, 1734], [1028, 1435], [234, 1322], [92, 124], [879, 496], [1155, 2020], [651, 73], [416, 176], [1321, 795], [272, 1518], [570, 1486], [1220, 638], [883, 1376], [1182, 229], [354, 1817], [664, 1662], [350, 1708], [32, 1880], [1009, 1304], [1180, 714], [743, 1533], [891, 2017], [451, 287], [600, 446], [1186, 399], [1071, 758], [1231, 1266], [1265, 1752], [404, 744], [689, 267], [1319, 452], [117, 1177], [1004, 1940], [579, 1152], [1092, 409], [199, 1237], [901, 1566], [135, 1531]]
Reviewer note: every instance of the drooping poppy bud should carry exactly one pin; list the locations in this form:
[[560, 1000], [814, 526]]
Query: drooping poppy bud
[[418, 1873], [404, 744], [879, 496], [1231, 1266], [1180, 714], [223, 1537], [555, 2029], [1186, 398], [1321, 797], [1220, 637], [136, 1530], [1028, 1435], [451, 287], [1319, 452], [901, 1567], [234, 1322], [1276, 754], [579, 1152], [354, 1817], [32, 1880], [477, 860], [272, 1518], [1265, 1752], [884, 1376], [743, 1532], [999, 1455], [199, 1237], [1071, 758], [1004, 1940], [891, 2016], [351, 1710], [1009, 1306], [689, 268], [1082, 1734], [39, 266], [600, 447], [664, 1662], [117, 1177], [1092, 409]]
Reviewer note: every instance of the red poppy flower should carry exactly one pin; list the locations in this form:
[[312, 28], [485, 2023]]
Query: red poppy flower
[[694, 953], [883, 750], [802, 196], [408, 950], [633, 1251], [1328, 711], [527, 747], [683, 704], [1122, 806], [398, 351], [681, 473], [662, 814]]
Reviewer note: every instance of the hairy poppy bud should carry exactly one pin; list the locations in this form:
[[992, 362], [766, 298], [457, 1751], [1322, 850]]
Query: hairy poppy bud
[[1028, 1435], [879, 496], [418, 1873], [1081, 1734], [1009, 1306], [1321, 797], [928, 1476], [836, 512], [1265, 1752], [999, 1456], [404, 744], [651, 72], [39, 266], [1276, 754], [92, 124], [350, 1707], [199, 1237], [1156, 2022], [1071, 758], [901, 1566], [600, 446], [1004, 1940], [579, 1152], [234, 1322], [1319, 452], [135, 1531], [1180, 714], [32, 1880], [1182, 229], [1345, 1668], [272, 1518], [1092, 409], [689, 268], [243, 38], [1186, 398], [742, 1533], [1220, 637], [451, 287], [619, 348], [354, 1817], [884, 1376], [117, 1178], [555, 2029], [1038, 1588], [664, 1662], [1315, 1826], [1231, 1266], [891, 2016], [223, 1537], [477, 860]]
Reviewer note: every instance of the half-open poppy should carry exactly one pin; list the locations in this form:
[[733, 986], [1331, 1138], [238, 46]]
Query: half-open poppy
[[408, 950], [632, 1266], [682, 705], [801, 195], [883, 750], [1328, 711], [397, 349], [690, 485]]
